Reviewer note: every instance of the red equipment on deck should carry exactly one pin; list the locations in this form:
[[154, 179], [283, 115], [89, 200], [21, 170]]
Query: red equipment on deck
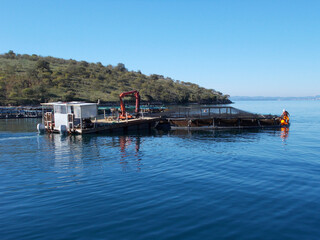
[[123, 114]]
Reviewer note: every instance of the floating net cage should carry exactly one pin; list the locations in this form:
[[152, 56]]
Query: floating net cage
[[212, 112]]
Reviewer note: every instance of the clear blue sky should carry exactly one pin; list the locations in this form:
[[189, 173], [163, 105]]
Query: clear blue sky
[[240, 47]]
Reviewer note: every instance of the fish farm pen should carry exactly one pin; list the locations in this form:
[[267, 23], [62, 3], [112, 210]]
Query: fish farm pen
[[20, 112], [218, 117]]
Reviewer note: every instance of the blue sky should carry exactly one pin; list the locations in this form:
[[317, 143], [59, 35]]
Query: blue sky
[[240, 47]]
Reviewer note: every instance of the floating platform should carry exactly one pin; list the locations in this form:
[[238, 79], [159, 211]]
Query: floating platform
[[219, 117], [104, 125], [107, 126], [82, 118]]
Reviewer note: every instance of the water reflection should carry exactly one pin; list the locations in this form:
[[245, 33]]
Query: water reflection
[[126, 141], [126, 151], [19, 125], [284, 133], [129, 147], [71, 152]]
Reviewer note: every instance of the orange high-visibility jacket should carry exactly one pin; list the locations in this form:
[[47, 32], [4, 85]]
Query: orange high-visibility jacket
[[285, 120]]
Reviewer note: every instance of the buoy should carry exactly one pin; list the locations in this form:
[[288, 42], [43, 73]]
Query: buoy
[[63, 129], [40, 127]]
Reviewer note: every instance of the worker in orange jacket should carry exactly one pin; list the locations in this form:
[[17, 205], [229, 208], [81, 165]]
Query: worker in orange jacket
[[284, 118]]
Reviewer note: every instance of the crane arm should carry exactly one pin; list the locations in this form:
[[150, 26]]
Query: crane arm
[[122, 105]]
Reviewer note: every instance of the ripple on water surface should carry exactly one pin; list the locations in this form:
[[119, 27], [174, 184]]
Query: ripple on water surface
[[242, 184]]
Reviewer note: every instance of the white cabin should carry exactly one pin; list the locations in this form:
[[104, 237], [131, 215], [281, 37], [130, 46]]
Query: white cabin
[[70, 116]]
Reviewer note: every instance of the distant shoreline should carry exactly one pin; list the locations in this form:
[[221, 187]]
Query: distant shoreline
[[245, 98]]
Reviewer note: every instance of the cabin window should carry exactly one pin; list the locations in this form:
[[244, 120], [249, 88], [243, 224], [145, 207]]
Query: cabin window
[[62, 109], [70, 109], [77, 112]]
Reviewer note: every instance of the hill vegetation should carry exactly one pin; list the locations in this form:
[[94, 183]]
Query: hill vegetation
[[32, 79]]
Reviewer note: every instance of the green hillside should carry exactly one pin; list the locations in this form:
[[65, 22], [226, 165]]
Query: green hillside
[[31, 79]]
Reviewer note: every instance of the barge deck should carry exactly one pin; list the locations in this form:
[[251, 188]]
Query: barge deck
[[104, 125]]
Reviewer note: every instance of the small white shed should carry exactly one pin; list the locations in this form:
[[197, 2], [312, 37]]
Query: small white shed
[[70, 115]]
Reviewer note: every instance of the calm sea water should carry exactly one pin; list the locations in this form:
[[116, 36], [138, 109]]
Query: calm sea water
[[241, 184]]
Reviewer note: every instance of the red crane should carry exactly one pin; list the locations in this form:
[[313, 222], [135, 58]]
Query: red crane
[[123, 108]]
